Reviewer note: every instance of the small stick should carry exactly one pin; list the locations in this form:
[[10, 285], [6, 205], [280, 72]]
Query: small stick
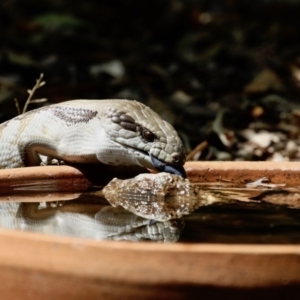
[[39, 83], [200, 147]]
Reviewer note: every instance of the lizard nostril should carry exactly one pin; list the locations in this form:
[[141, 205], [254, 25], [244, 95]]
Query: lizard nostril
[[175, 157]]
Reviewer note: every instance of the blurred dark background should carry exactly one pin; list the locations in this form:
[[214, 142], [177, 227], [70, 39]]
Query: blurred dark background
[[224, 71]]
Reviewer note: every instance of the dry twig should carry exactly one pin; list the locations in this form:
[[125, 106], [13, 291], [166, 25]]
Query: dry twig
[[39, 83]]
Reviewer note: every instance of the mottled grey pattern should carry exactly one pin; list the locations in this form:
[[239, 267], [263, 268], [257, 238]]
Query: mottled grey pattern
[[72, 115]]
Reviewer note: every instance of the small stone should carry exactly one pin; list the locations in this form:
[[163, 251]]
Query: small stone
[[161, 196]]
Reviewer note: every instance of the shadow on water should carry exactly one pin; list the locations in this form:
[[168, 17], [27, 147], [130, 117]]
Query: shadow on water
[[249, 223]]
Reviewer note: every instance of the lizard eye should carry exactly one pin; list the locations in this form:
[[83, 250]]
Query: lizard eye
[[148, 135]]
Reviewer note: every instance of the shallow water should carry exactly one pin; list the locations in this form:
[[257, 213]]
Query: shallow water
[[233, 222], [226, 213]]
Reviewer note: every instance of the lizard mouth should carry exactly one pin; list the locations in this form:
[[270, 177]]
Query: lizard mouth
[[163, 167]]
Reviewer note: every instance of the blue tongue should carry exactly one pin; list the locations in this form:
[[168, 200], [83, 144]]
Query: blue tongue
[[163, 167]]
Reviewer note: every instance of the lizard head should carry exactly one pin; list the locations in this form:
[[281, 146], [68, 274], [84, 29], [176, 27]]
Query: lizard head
[[143, 137]]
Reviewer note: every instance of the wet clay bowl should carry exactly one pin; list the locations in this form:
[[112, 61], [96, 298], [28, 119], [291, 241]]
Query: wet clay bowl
[[38, 266]]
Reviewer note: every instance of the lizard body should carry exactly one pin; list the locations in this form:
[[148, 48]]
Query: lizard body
[[113, 132]]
